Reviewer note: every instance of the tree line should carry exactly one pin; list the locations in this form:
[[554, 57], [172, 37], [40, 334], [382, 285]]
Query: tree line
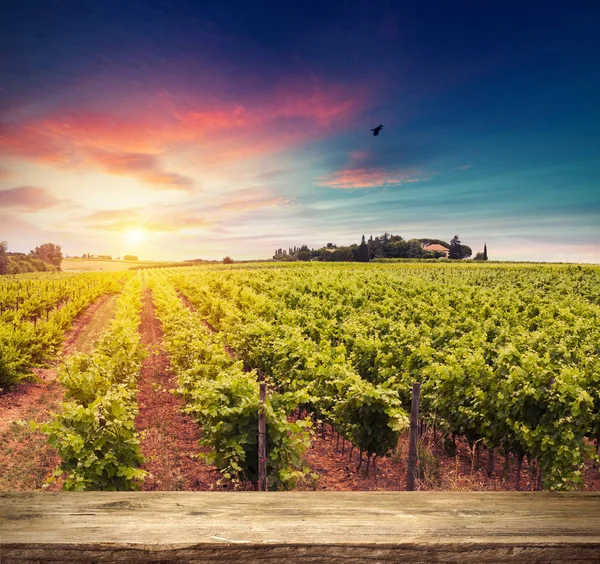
[[46, 257], [384, 246]]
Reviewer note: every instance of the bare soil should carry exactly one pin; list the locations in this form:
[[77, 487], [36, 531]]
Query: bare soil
[[170, 438], [438, 470], [26, 460]]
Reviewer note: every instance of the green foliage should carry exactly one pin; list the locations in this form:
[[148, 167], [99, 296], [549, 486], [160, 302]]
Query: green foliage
[[97, 442], [507, 356], [35, 312], [95, 431], [455, 250], [369, 416], [3, 258], [225, 400], [48, 252]]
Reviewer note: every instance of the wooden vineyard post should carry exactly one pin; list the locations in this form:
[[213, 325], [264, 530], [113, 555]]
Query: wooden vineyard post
[[262, 441], [412, 438]]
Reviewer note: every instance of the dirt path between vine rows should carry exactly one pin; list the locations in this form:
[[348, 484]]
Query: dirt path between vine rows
[[170, 438], [26, 460]]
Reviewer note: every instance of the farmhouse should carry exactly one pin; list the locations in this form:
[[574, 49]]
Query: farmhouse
[[436, 247]]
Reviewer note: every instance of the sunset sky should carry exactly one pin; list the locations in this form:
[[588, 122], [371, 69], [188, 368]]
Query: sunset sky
[[180, 129]]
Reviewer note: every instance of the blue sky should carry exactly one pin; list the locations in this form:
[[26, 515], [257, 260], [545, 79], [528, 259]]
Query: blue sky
[[180, 129]]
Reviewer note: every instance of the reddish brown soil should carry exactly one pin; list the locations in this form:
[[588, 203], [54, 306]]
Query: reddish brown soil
[[170, 438], [26, 459], [439, 470]]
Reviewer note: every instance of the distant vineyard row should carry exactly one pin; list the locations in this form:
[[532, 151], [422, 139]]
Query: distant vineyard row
[[35, 312]]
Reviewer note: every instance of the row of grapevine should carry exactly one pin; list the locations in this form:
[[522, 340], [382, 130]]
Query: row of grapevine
[[507, 356], [224, 399], [30, 299], [25, 343], [369, 416], [95, 433]]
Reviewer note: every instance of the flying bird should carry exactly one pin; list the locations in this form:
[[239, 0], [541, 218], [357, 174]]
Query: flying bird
[[377, 130]]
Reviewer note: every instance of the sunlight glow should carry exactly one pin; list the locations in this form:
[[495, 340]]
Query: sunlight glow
[[135, 236]]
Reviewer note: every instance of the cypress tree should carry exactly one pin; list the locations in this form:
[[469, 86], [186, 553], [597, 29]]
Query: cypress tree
[[485, 257], [363, 251]]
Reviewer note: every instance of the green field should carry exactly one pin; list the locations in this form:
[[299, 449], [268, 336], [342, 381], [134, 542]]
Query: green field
[[508, 358]]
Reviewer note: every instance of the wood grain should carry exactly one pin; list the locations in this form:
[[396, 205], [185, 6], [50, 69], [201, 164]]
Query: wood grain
[[302, 527]]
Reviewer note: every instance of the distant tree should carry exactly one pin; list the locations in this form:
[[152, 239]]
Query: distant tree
[[130, 257], [466, 251], [338, 255], [396, 249], [478, 256], [362, 253], [485, 257], [414, 249], [302, 255], [376, 248], [48, 252], [330, 246], [4, 262], [228, 260], [455, 251]]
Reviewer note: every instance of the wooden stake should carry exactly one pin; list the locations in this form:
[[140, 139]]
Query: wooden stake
[[518, 476], [412, 439], [490, 468], [262, 441]]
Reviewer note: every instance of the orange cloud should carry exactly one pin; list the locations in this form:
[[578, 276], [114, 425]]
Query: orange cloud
[[28, 198], [355, 178], [133, 145], [142, 166]]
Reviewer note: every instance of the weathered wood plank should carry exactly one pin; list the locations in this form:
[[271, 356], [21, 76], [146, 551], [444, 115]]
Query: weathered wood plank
[[302, 527]]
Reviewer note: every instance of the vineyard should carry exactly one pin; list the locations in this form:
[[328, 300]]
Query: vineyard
[[35, 312], [508, 358]]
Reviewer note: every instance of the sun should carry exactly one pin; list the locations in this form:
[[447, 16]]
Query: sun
[[135, 236]]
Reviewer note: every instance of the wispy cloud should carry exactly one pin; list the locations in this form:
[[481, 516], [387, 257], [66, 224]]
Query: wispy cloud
[[250, 199], [215, 133], [186, 215], [145, 167], [363, 171], [357, 178], [29, 199]]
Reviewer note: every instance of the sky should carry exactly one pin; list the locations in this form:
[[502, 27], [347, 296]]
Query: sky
[[180, 129]]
